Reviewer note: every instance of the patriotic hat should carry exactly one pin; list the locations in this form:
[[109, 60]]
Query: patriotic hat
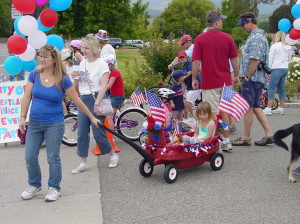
[[102, 35]]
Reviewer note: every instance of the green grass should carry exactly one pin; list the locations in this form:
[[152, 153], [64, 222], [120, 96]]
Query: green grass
[[124, 55]]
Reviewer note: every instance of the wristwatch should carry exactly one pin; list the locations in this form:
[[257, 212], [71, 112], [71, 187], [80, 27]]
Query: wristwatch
[[247, 78]]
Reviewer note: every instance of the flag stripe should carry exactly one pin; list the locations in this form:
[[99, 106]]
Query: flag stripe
[[137, 97]]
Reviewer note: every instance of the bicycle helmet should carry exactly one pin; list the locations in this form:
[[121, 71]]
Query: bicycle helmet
[[165, 93], [76, 44], [66, 53], [109, 59]]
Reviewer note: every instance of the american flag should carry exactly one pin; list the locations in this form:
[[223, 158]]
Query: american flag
[[176, 130], [137, 97], [157, 107], [233, 104]]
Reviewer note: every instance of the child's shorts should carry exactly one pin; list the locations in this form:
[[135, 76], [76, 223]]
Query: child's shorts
[[193, 95], [117, 101], [190, 140]]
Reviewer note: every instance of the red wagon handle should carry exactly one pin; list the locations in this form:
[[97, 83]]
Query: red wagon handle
[[137, 148]]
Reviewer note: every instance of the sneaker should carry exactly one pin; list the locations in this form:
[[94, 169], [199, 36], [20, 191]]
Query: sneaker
[[29, 192], [241, 142], [296, 171], [267, 111], [113, 161], [264, 141], [232, 129], [52, 195], [82, 167], [226, 146], [279, 110]]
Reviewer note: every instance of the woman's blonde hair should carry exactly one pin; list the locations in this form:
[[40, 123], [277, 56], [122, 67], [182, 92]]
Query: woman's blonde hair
[[280, 37], [90, 41], [204, 107], [59, 69]]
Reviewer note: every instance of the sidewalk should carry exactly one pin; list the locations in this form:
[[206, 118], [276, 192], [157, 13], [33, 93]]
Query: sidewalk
[[81, 195]]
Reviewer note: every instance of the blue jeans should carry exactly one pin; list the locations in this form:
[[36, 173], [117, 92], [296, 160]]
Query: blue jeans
[[83, 134], [117, 101], [277, 81], [52, 133]]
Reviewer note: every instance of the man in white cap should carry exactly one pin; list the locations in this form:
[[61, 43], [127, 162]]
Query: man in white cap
[[106, 48], [187, 45], [213, 49]]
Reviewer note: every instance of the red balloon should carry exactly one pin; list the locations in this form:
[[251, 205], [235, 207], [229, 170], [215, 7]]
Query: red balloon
[[25, 6], [17, 44], [295, 34], [48, 18]]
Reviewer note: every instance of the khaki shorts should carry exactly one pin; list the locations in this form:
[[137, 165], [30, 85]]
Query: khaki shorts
[[213, 97]]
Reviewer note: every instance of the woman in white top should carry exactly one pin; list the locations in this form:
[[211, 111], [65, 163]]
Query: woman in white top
[[279, 57], [93, 79]]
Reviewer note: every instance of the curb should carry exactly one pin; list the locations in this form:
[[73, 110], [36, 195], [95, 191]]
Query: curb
[[292, 105]]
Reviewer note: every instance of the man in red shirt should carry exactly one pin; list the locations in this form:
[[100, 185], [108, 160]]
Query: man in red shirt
[[213, 50]]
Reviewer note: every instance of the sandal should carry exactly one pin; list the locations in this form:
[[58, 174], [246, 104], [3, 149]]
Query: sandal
[[264, 141], [241, 142]]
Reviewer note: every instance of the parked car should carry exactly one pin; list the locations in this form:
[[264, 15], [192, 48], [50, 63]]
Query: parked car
[[134, 43], [115, 42]]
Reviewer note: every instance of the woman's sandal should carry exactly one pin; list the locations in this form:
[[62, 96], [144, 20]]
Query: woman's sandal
[[241, 142]]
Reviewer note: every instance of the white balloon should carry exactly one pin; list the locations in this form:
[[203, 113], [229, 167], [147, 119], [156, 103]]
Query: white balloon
[[29, 54], [27, 25], [37, 39], [298, 2], [290, 41], [296, 24]]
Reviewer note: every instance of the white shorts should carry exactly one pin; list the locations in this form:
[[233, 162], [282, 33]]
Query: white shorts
[[193, 95]]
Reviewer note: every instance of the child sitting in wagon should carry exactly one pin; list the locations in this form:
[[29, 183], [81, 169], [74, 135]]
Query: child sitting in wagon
[[205, 126]]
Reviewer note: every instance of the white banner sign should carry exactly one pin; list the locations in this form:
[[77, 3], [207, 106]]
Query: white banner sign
[[14, 13], [11, 94]]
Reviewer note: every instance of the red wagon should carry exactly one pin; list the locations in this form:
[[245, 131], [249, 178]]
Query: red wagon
[[174, 157]]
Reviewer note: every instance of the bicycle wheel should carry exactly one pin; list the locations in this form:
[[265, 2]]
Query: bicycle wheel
[[70, 135], [130, 122]]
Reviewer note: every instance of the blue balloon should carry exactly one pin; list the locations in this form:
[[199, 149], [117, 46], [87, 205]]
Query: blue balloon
[[13, 65], [296, 10], [284, 25], [55, 40], [29, 66], [16, 23], [59, 5], [43, 28]]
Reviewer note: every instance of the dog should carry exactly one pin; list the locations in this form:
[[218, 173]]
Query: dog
[[295, 146]]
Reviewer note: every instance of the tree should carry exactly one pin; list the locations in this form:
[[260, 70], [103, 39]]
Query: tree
[[6, 23], [283, 11], [184, 16]]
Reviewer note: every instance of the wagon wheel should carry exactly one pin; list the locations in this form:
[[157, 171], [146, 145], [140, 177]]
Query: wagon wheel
[[145, 168], [217, 161], [171, 173]]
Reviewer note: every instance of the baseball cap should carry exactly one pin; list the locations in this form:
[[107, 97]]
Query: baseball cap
[[213, 16], [244, 20], [181, 54], [178, 73], [185, 38], [102, 34]]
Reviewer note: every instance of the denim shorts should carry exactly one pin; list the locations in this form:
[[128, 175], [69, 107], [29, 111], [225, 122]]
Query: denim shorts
[[252, 91], [117, 101]]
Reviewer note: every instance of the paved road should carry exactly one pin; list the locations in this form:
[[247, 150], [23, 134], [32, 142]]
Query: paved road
[[252, 187]]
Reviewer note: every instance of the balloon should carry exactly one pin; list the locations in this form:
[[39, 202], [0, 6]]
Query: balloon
[[296, 11], [59, 5], [16, 26], [290, 41], [48, 17], [37, 39], [43, 28], [16, 44], [27, 25], [41, 2], [24, 6], [12, 65], [29, 66], [295, 34], [56, 41], [296, 24], [284, 25], [29, 54]]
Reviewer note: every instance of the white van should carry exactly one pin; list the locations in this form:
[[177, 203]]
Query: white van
[[134, 43]]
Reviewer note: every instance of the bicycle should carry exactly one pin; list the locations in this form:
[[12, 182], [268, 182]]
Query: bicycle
[[127, 123], [264, 100]]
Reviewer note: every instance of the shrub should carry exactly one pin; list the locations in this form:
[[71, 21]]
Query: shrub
[[292, 84]]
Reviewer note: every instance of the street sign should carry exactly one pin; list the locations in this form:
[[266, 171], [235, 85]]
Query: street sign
[[14, 13]]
